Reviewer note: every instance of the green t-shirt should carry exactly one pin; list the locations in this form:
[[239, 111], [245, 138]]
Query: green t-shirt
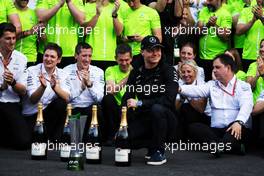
[[252, 70], [235, 8], [140, 21], [27, 45], [6, 8], [210, 44], [241, 75], [114, 73], [102, 37], [62, 27], [253, 36]]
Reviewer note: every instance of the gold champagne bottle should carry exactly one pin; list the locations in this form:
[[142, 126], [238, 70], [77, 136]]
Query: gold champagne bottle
[[66, 137], [122, 145], [93, 140], [39, 138]]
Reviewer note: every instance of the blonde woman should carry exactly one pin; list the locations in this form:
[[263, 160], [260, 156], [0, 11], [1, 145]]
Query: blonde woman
[[191, 110]]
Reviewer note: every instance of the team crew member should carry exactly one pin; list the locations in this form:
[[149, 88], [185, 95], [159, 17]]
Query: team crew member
[[231, 104], [28, 37], [63, 18], [140, 21], [9, 14], [255, 73], [251, 23], [12, 67], [116, 78], [104, 24], [191, 110], [188, 52], [86, 82], [50, 86], [153, 84], [217, 21]]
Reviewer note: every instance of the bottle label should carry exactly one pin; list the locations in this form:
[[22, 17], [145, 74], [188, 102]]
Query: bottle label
[[121, 155], [93, 152], [38, 149], [65, 151]]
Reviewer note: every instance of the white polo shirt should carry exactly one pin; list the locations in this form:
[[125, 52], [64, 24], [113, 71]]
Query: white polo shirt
[[228, 104], [17, 65], [33, 84], [88, 96]]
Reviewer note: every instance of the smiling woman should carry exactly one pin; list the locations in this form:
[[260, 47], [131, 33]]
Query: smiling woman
[[191, 109]]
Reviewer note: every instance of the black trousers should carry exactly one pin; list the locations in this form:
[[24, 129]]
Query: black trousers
[[153, 127], [189, 115], [88, 111], [14, 131], [203, 133], [112, 115], [258, 129], [54, 119]]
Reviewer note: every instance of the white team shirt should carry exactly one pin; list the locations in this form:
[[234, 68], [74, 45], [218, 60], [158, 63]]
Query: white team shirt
[[33, 83], [228, 104], [17, 65], [88, 96]]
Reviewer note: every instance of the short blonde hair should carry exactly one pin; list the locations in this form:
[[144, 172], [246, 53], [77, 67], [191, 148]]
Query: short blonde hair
[[191, 63]]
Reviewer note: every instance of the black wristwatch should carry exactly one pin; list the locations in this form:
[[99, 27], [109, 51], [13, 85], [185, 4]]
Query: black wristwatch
[[240, 122], [13, 83], [114, 15]]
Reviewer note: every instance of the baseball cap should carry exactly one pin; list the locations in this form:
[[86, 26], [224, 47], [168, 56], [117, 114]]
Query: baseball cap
[[150, 41]]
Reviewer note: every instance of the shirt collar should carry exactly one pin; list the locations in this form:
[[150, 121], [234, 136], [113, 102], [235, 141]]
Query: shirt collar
[[43, 70], [229, 84]]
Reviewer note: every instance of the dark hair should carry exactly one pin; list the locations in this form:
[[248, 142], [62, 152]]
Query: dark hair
[[122, 49], [261, 42], [55, 47], [191, 45], [237, 58], [4, 27], [80, 46], [227, 60]]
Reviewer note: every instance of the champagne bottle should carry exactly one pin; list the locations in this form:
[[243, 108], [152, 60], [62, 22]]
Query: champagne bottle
[[122, 147], [66, 137], [39, 139], [93, 140]]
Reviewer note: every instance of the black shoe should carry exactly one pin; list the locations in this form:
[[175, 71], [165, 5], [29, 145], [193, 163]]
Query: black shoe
[[242, 150], [157, 158], [217, 153], [148, 155]]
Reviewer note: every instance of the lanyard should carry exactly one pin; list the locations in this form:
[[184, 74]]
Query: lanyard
[[78, 75], [233, 91]]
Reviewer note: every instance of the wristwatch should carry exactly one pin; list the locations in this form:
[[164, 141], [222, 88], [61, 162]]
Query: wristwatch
[[240, 122], [139, 103], [13, 83], [114, 15]]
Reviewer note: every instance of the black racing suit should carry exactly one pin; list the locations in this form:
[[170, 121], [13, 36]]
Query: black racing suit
[[154, 120]]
